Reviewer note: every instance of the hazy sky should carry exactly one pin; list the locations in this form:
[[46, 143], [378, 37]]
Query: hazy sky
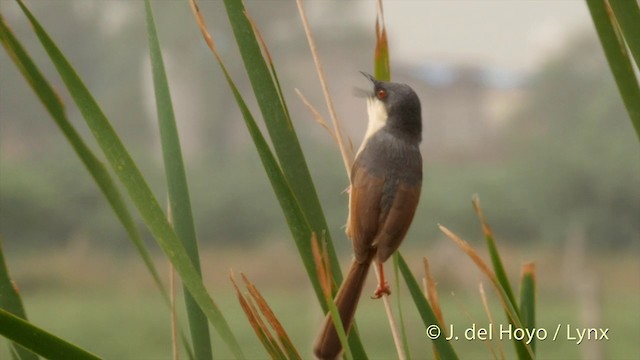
[[513, 34]]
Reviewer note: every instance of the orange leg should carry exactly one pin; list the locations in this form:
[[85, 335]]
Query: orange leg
[[383, 286]]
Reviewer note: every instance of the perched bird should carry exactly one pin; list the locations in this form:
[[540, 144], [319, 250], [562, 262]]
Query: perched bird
[[386, 179]]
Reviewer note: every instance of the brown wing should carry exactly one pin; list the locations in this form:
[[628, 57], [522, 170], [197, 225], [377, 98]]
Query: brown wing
[[398, 220], [364, 211]]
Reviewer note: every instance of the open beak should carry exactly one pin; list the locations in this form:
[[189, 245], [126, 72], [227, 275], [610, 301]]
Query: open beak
[[369, 76]]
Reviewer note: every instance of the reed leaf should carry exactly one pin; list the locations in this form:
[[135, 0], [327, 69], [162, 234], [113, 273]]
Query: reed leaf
[[528, 300], [282, 133], [179, 200], [11, 302], [96, 168], [136, 186], [265, 337], [39, 341], [381, 62], [496, 262], [269, 315], [443, 348], [627, 15], [403, 328], [613, 44], [324, 272], [522, 348], [292, 206]]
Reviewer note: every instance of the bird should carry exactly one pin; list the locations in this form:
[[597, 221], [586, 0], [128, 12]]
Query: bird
[[385, 186]]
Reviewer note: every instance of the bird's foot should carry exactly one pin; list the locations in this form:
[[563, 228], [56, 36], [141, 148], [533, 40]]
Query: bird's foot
[[382, 289]]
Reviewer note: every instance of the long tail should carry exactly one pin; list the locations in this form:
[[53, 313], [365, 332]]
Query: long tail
[[327, 345]]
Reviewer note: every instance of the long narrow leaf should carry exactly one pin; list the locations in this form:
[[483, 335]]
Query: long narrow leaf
[[320, 258], [101, 176], [619, 62], [271, 318], [528, 300], [498, 268], [443, 347], [522, 348], [95, 167], [381, 61], [138, 190], [291, 204], [11, 302], [268, 342], [281, 131], [501, 275], [38, 340], [296, 220], [627, 14], [179, 201], [403, 329]]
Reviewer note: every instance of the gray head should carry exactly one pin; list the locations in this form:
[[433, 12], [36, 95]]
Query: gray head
[[397, 107]]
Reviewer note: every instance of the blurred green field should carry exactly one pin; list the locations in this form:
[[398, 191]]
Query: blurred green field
[[108, 305]]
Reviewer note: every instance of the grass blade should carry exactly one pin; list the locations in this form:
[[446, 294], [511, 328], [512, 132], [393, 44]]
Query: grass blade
[[347, 153], [38, 340], [443, 347], [615, 51], [320, 259], [11, 302], [271, 318], [498, 268], [627, 14], [487, 310], [101, 176], [403, 329], [296, 220], [179, 200], [381, 62], [289, 203], [268, 342], [431, 292], [283, 136], [528, 299], [136, 186], [523, 350]]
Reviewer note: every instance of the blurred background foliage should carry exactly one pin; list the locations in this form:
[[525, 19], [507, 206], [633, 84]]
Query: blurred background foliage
[[548, 147], [562, 154]]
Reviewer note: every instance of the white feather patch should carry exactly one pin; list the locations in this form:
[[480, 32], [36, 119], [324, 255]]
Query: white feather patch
[[377, 119]]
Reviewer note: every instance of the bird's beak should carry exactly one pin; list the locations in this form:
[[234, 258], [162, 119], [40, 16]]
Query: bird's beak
[[369, 76]]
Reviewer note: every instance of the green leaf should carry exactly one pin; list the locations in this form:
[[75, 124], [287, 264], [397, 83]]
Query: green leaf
[[11, 302], [524, 351], [97, 170], [381, 62], [627, 14], [179, 200], [528, 300], [101, 176], [136, 186], [443, 347], [290, 164], [403, 329], [281, 131], [38, 340], [615, 51], [496, 262], [298, 225]]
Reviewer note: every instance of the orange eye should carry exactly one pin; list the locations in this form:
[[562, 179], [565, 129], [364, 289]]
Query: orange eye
[[381, 94]]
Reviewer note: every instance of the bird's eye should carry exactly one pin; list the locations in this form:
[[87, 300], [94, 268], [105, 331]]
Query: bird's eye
[[381, 94]]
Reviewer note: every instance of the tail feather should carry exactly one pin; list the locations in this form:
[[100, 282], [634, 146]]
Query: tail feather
[[327, 345]]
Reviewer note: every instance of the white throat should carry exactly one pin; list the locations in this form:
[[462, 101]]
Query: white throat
[[377, 119]]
